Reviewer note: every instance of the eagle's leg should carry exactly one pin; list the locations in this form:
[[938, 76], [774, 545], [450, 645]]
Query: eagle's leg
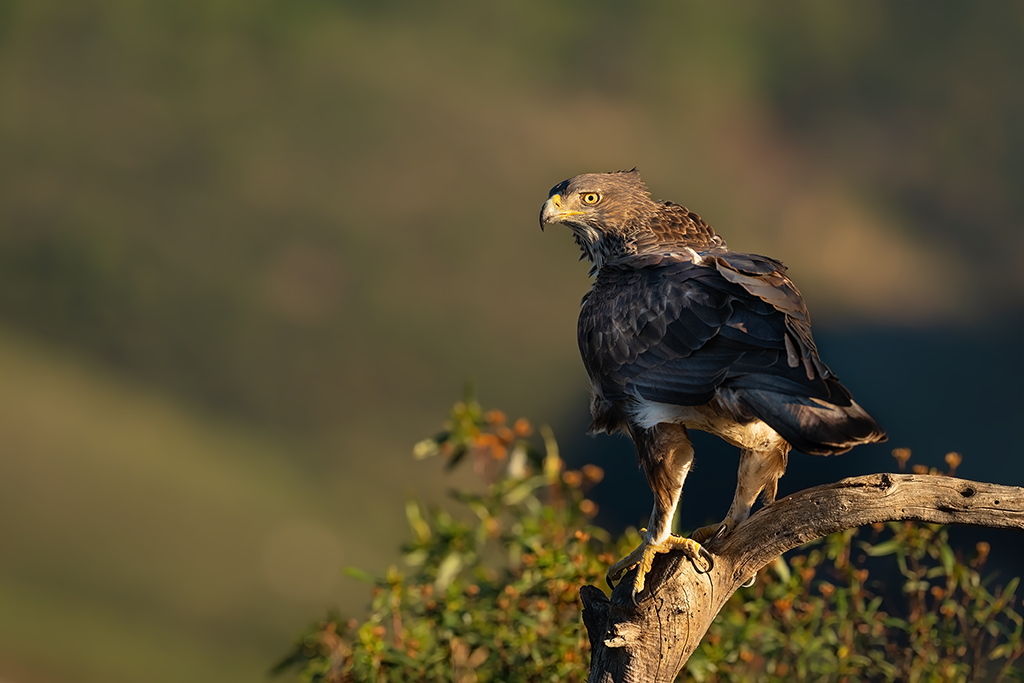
[[666, 454], [758, 474]]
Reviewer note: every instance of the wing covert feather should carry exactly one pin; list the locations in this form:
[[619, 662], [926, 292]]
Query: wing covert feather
[[673, 328]]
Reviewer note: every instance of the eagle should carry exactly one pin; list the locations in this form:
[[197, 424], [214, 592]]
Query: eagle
[[678, 332]]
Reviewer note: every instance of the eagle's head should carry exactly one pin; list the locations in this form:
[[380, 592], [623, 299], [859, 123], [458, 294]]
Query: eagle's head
[[601, 209]]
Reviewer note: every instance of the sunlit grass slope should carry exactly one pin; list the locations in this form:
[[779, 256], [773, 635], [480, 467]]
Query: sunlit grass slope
[[139, 541]]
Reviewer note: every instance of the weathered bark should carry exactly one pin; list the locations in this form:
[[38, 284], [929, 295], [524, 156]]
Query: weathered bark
[[652, 641]]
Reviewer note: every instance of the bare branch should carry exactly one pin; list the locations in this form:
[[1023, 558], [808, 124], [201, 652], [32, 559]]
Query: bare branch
[[652, 642]]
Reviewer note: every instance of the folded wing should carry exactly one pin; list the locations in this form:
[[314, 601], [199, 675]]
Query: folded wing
[[684, 328]]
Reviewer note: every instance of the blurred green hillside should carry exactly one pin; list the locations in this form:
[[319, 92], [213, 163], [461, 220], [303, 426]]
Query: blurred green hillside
[[250, 250]]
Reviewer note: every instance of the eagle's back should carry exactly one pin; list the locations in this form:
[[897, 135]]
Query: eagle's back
[[723, 333]]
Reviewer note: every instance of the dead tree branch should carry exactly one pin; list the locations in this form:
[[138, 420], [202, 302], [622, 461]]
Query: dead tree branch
[[651, 642]]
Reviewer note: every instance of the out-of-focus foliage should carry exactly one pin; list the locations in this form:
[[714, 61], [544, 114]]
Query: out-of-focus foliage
[[493, 596], [820, 615]]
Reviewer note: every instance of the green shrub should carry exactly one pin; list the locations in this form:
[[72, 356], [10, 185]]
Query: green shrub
[[494, 596]]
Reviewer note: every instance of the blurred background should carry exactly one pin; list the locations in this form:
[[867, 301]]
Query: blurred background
[[252, 250]]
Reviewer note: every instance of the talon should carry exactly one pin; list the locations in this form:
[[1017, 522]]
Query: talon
[[708, 559], [643, 559], [712, 533]]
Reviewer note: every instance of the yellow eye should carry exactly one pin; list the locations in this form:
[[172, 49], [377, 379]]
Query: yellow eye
[[590, 198]]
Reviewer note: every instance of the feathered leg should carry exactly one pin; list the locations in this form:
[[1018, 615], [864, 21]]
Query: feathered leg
[[666, 455], [758, 474]]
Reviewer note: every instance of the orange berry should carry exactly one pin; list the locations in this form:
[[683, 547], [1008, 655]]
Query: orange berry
[[522, 427], [953, 459], [593, 473], [573, 478], [902, 455]]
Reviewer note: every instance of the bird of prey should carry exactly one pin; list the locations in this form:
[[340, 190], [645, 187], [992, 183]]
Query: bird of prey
[[678, 332]]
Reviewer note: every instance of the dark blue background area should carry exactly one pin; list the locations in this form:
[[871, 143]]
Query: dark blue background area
[[934, 390]]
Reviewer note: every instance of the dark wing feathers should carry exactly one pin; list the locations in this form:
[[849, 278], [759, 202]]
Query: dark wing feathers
[[678, 327], [688, 381], [765, 278], [661, 324]]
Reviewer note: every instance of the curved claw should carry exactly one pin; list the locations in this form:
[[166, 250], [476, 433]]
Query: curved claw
[[616, 571], [643, 559], [709, 560], [714, 532]]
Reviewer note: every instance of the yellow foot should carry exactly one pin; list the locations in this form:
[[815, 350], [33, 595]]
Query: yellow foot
[[706, 534], [643, 557]]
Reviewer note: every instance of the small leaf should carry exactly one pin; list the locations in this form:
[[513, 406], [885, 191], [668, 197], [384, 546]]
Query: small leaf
[[416, 558], [457, 455], [418, 525], [425, 449], [552, 463], [948, 559], [882, 549], [781, 569], [1011, 588], [1000, 651], [520, 493], [358, 574], [447, 571]]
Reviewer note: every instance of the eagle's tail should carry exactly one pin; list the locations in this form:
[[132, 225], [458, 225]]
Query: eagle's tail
[[813, 425]]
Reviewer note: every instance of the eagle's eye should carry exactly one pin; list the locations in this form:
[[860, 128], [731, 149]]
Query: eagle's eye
[[590, 198]]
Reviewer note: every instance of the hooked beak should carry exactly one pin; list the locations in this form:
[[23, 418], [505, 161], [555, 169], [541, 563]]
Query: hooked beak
[[552, 211]]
